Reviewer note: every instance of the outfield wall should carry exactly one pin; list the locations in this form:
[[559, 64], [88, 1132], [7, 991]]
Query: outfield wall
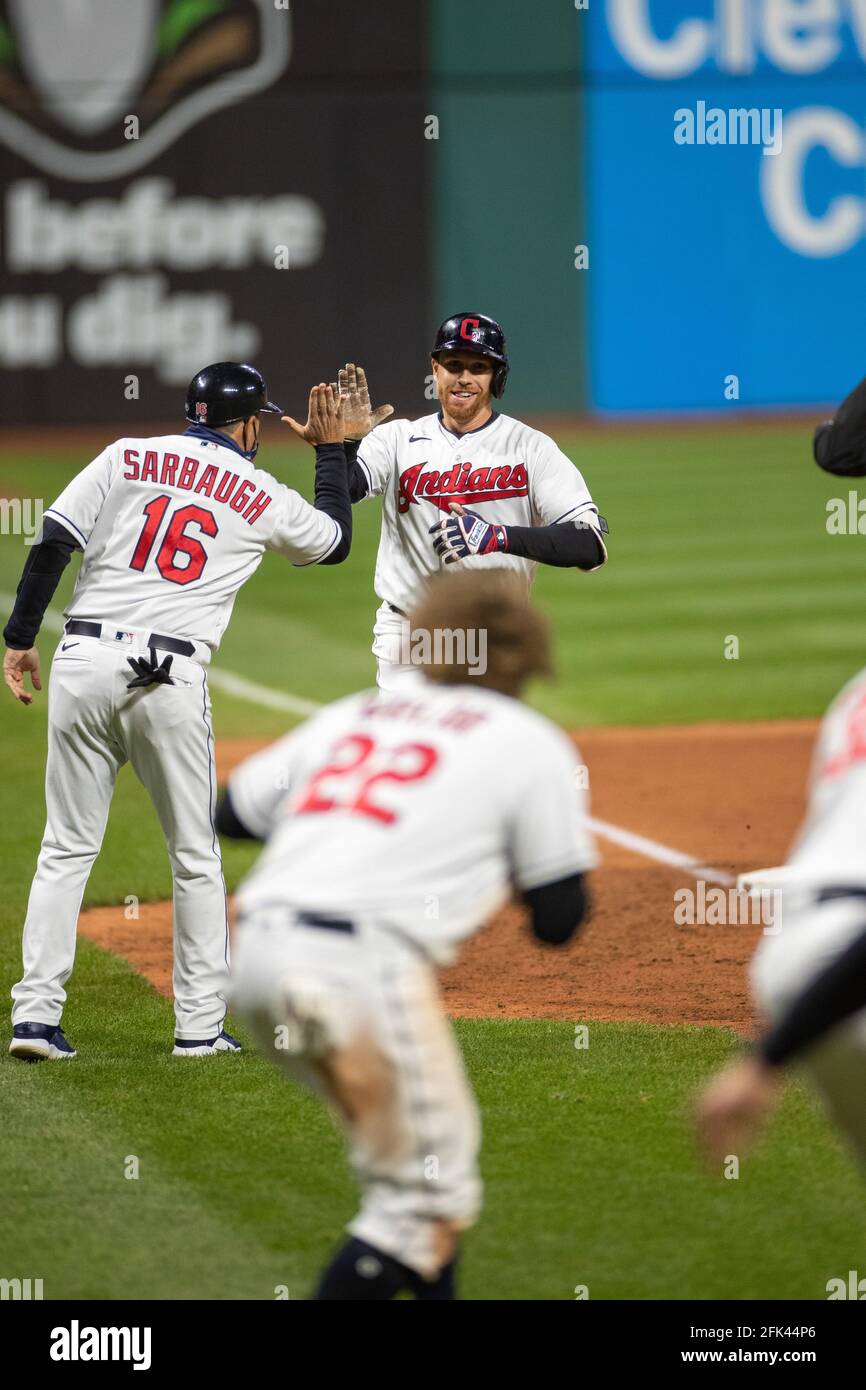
[[725, 272], [300, 183], [715, 275], [241, 179]]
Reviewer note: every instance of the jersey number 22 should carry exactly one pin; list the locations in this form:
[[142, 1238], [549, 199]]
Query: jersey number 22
[[409, 762]]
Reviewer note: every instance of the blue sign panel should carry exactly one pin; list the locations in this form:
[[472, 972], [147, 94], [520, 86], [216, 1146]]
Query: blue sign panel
[[726, 194]]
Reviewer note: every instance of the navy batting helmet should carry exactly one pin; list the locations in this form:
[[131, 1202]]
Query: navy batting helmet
[[227, 392], [475, 333]]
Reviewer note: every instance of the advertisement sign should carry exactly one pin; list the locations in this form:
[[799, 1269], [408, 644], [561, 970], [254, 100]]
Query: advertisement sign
[[727, 203], [186, 183]]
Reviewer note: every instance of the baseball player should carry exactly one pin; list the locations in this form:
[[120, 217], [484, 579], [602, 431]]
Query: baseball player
[[395, 825], [839, 445], [466, 484], [170, 528], [810, 978]]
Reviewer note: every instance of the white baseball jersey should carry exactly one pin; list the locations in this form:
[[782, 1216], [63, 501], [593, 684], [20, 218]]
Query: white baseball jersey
[[504, 471], [173, 526], [416, 812], [812, 931], [831, 845]]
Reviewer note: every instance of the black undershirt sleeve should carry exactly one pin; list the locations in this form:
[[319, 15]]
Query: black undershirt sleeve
[[836, 994], [39, 579], [227, 821], [839, 444], [358, 487], [332, 496], [564, 544], [558, 909]]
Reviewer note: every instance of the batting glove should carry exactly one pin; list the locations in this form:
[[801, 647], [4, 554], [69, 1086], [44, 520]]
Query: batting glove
[[463, 533], [149, 672]]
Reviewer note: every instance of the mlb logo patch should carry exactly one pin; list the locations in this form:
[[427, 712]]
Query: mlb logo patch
[[201, 411], [123, 636]]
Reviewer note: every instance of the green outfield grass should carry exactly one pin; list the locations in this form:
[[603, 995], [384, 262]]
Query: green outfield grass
[[712, 534], [588, 1163]]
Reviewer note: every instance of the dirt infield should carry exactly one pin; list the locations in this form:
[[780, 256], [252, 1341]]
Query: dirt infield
[[731, 795]]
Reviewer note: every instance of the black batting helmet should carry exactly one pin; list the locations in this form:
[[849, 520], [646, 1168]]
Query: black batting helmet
[[227, 392], [475, 333]]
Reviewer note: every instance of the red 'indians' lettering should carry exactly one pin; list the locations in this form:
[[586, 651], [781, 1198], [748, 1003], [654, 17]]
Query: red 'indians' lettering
[[194, 475], [462, 483]]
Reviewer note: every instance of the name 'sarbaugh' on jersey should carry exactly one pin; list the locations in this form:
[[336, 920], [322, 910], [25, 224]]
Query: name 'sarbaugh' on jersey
[[195, 475]]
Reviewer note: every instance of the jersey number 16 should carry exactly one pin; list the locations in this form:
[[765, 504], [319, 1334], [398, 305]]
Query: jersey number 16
[[175, 542]]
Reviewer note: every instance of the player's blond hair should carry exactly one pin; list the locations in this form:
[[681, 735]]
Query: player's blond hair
[[496, 603]]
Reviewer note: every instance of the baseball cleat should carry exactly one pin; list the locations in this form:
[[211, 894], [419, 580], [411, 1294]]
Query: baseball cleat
[[40, 1042], [205, 1047]]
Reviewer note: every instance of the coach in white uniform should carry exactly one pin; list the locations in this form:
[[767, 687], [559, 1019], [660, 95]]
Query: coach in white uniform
[[465, 484], [170, 527], [395, 826]]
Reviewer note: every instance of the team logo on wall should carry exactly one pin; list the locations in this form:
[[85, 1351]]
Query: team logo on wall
[[72, 72]]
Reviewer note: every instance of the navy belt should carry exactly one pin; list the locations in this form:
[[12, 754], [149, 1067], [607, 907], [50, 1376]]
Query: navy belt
[[826, 895], [316, 919], [394, 609], [80, 628]]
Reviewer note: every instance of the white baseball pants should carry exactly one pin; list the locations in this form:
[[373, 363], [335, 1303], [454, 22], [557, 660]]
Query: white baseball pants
[[362, 1012], [390, 644], [812, 935], [95, 725]]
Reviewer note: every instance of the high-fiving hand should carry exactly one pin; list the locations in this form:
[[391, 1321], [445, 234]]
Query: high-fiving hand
[[361, 418], [325, 418]]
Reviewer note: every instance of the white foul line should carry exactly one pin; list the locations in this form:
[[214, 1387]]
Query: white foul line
[[238, 686], [663, 854], [255, 694]]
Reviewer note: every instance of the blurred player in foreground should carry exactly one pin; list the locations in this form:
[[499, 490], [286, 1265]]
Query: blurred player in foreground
[[395, 825], [810, 978]]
